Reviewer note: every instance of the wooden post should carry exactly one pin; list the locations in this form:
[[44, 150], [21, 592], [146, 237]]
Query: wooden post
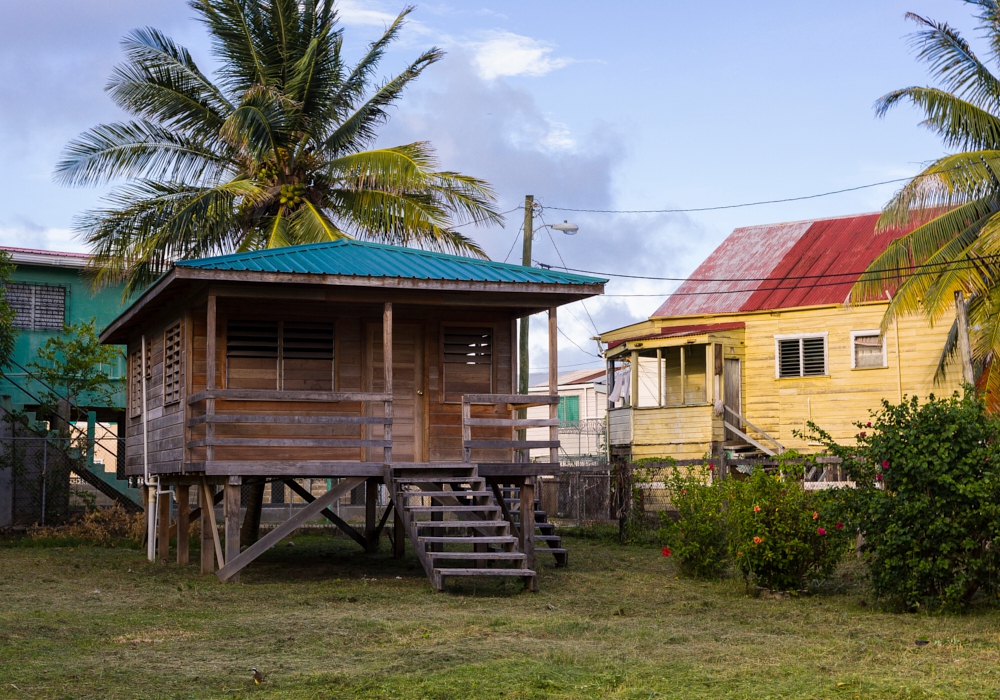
[[183, 493], [398, 533], [371, 502], [553, 383], [634, 399], [207, 527], [163, 527], [527, 530], [250, 531], [387, 369], [232, 512], [659, 376], [683, 375], [210, 340], [963, 338]]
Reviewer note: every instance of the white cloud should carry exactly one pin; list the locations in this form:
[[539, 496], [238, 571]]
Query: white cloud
[[356, 13], [26, 234], [502, 54]]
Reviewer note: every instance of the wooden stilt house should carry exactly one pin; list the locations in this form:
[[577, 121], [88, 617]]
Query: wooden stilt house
[[354, 362]]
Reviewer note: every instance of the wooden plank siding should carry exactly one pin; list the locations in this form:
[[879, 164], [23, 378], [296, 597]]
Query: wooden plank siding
[[426, 426], [781, 407]]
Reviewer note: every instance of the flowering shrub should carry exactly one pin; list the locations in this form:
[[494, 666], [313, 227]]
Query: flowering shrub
[[697, 538], [781, 536], [927, 501]]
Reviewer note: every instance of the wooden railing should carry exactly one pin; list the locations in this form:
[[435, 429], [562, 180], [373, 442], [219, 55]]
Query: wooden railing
[[211, 419], [776, 447], [510, 402]]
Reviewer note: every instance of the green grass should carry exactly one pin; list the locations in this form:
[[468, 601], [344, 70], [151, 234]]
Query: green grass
[[323, 621]]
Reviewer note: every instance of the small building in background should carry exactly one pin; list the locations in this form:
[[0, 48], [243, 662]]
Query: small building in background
[[49, 290], [760, 341], [582, 414]]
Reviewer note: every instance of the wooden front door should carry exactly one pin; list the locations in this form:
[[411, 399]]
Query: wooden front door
[[408, 430], [732, 394]]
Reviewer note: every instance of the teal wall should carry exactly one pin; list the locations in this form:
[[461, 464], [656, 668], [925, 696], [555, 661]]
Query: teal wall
[[82, 304]]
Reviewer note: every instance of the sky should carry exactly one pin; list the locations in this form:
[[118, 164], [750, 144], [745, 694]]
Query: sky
[[583, 104]]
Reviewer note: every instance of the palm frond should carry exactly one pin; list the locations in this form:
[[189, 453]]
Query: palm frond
[[237, 31], [358, 130], [946, 183], [310, 225], [160, 81], [959, 123], [952, 61], [139, 150]]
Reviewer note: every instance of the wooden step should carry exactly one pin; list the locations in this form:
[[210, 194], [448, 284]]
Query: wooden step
[[551, 550], [495, 556], [453, 509], [484, 572], [455, 494], [484, 539], [548, 538], [440, 480], [460, 523]]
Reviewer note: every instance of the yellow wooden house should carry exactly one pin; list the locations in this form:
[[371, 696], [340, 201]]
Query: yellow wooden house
[[759, 341]]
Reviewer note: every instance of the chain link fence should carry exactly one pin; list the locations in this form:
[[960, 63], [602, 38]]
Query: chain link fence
[[35, 480]]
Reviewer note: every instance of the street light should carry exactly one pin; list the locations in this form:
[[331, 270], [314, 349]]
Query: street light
[[567, 228]]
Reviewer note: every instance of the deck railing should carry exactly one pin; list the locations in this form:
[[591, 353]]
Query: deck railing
[[518, 449], [211, 419]]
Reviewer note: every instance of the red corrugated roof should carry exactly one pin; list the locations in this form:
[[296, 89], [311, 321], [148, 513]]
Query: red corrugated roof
[[682, 331], [773, 260]]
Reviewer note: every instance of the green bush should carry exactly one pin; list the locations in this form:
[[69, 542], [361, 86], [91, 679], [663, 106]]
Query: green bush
[[697, 538], [927, 501], [781, 536]]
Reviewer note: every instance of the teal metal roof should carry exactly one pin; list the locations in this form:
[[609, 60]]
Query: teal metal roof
[[361, 259]]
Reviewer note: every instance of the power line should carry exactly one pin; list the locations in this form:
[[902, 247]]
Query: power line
[[574, 343], [904, 269], [754, 204]]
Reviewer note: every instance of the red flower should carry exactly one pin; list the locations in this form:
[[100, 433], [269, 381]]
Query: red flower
[[758, 540], [839, 526], [756, 509], [820, 531], [815, 515], [861, 434], [666, 551], [868, 424], [878, 477], [885, 464], [711, 466]]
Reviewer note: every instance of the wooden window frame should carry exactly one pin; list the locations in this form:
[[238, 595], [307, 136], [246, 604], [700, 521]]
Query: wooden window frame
[[825, 335], [134, 383], [280, 359], [444, 326], [171, 397], [885, 350]]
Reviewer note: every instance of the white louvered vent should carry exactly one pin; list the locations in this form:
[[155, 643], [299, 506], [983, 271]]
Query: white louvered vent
[[802, 357]]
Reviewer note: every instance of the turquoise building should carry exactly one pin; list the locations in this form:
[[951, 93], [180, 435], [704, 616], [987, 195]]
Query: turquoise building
[[49, 290]]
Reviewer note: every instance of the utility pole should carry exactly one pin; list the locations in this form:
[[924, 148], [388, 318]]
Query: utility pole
[[522, 352], [963, 338]]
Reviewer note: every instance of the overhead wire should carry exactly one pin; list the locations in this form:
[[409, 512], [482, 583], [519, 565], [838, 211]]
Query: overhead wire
[[556, 248], [758, 203], [474, 221], [904, 269]]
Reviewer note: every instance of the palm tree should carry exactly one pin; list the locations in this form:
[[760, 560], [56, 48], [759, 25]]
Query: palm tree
[[953, 205], [277, 151]]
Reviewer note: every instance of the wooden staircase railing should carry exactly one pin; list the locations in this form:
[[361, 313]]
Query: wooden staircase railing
[[454, 525]]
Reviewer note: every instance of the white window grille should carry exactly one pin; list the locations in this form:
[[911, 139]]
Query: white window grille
[[800, 356], [868, 350]]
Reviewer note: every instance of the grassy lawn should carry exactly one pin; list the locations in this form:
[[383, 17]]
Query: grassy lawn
[[323, 621]]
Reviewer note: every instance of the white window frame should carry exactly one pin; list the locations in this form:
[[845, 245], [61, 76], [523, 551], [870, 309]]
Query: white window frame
[[885, 349], [825, 335]]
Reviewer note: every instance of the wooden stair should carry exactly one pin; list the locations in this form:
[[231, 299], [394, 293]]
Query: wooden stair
[[456, 527], [546, 531]]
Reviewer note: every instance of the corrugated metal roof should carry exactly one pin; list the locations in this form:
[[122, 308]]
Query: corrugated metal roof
[[362, 259], [682, 332], [774, 260]]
